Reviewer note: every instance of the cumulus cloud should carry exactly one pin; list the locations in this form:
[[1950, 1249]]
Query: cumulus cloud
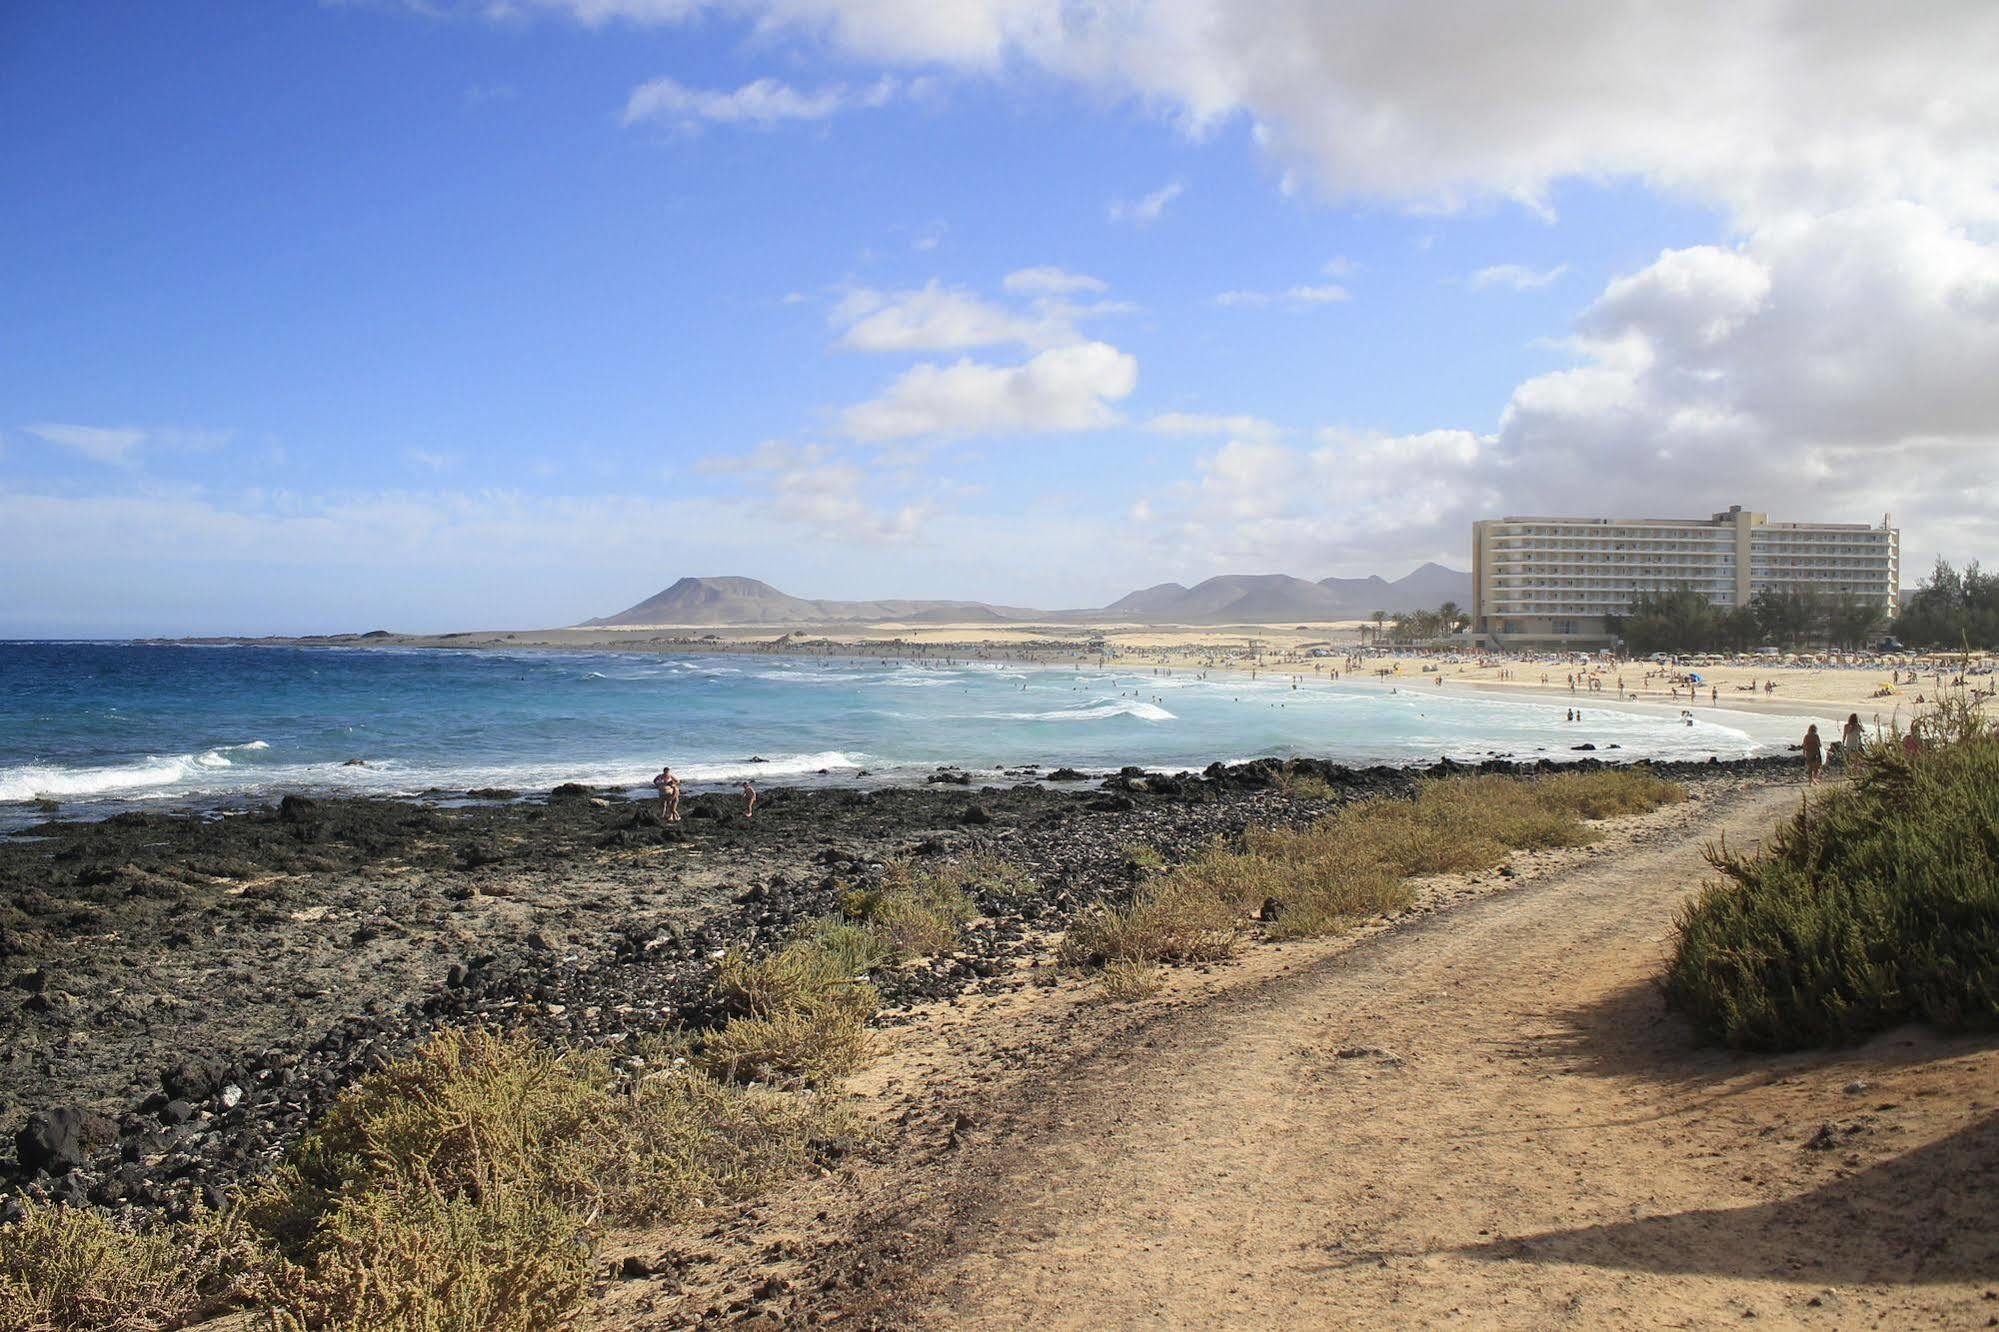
[[763, 102], [1767, 110], [1145, 211], [1064, 388], [1836, 370], [1517, 276]]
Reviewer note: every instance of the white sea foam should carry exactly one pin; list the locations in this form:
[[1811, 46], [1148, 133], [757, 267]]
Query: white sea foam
[[792, 765], [1123, 707], [35, 781]]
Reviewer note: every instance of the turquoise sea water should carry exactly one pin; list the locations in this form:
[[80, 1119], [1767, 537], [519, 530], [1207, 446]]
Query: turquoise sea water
[[107, 726]]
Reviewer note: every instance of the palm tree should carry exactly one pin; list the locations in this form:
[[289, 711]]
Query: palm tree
[[1379, 618], [1453, 617]]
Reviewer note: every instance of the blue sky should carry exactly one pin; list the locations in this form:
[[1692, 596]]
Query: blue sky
[[449, 315]]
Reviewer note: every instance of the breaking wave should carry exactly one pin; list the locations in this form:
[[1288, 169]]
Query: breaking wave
[[1124, 707], [38, 781]]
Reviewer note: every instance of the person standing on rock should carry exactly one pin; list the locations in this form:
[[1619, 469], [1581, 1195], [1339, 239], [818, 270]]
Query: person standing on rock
[[749, 802], [1852, 740], [668, 787], [1814, 754]]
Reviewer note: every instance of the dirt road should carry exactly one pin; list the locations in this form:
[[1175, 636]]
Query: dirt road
[[1488, 1119]]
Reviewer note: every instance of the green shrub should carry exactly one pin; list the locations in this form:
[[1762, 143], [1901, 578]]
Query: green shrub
[[1877, 904]]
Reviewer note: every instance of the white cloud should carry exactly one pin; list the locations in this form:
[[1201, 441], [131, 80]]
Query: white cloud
[[771, 455], [1340, 266], [98, 443], [1766, 111], [1324, 293], [1051, 281], [120, 444], [939, 318], [1517, 276], [935, 317], [763, 102], [1833, 370], [1064, 388], [1144, 212]]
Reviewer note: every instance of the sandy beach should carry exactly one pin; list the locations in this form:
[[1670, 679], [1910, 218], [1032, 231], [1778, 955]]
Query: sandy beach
[[1813, 690]]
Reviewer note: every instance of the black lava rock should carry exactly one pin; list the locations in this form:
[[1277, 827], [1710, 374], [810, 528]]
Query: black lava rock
[[59, 1140], [192, 1079]]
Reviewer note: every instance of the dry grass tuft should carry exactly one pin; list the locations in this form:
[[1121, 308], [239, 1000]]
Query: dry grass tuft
[[1128, 982]]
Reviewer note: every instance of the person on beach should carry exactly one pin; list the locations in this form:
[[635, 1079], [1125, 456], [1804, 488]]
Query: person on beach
[[1851, 740], [1814, 754], [749, 802], [1912, 743], [668, 787]]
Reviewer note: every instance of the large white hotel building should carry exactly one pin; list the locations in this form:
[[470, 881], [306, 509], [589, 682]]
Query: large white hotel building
[[1543, 582]]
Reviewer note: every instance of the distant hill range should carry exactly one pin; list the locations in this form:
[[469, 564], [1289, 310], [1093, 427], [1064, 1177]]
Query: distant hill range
[[1228, 599]]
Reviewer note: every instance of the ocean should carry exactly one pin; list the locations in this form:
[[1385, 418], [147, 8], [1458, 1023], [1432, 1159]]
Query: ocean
[[104, 727]]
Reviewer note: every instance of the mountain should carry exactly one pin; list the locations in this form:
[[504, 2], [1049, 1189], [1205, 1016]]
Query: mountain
[[1146, 601], [1225, 599], [748, 601], [1237, 599], [1281, 599], [717, 601], [1429, 587]]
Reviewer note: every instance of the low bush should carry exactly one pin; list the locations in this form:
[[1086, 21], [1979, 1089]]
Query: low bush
[[808, 973], [821, 1041], [800, 1012], [1877, 904], [1173, 919], [1350, 864], [1305, 786], [68, 1269], [1609, 792], [919, 912], [408, 1256]]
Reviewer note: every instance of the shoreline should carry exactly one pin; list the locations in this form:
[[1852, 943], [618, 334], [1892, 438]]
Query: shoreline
[[1823, 691]]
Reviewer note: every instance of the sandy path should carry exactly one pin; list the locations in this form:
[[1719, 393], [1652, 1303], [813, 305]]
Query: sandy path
[[1487, 1119]]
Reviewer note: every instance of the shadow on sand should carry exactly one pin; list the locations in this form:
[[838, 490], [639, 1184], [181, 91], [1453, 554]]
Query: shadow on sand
[[1922, 1217], [1629, 1033]]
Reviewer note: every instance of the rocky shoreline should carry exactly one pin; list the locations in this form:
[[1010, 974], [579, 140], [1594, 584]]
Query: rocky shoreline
[[182, 994]]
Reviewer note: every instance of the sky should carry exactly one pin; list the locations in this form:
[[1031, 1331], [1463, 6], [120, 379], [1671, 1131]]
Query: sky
[[436, 314]]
